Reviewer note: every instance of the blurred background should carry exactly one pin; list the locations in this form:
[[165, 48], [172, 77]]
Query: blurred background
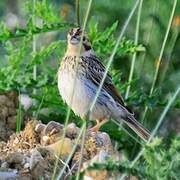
[[21, 50]]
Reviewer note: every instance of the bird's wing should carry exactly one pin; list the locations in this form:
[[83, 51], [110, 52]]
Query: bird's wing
[[96, 72]]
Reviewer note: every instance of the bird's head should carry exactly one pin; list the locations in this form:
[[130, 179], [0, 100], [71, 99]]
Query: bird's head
[[74, 41]]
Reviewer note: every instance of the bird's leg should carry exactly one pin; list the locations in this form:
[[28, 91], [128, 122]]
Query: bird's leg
[[98, 125]]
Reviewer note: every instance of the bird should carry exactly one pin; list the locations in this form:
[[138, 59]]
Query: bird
[[79, 76]]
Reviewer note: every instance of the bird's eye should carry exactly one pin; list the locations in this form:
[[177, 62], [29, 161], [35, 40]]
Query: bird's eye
[[71, 32], [78, 32]]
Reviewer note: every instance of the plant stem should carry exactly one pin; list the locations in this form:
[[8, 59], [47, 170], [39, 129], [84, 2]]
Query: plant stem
[[81, 153], [172, 43], [171, 100], [78, 12], [162, 48], [161, 54], [19, 115], [72, 152], [147, 39], [113, 53], [135, 42], [34, 48], [74, 82]]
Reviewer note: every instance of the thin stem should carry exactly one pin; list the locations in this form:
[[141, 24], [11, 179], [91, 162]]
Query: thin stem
[[148, 35], [161, 54], [81, 153], [19, 115], [113, 53], [39, 107], [171, 100], [72, 152], [34, 47], [162, 48], [120, 126], [78, 12], [136, 42], [74, 82], [172, 43]]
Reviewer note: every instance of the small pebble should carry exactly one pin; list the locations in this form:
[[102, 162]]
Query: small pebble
[[26, 165], [4, 165], [39, 128]]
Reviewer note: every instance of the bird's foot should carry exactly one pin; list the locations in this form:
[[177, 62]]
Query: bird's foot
[[96, 128]]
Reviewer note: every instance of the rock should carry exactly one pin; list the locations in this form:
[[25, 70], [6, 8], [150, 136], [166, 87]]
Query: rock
[[11, 111], [3, 133], [11, 122], [15, 158], [72, 130], [3, 99], [4, 112], [53, 128], [61, 148], [8, 104], [26, 165], [5, 165], [35, 158], [33, 151], [12, 95], [37, 164], [50, 133], [8, 175], [103, 140], [40, 127]]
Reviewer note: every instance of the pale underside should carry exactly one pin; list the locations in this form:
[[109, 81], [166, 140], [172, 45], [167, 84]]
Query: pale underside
[[79, 92]]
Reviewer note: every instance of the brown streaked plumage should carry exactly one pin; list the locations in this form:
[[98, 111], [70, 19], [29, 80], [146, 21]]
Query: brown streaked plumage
[[84, 72]]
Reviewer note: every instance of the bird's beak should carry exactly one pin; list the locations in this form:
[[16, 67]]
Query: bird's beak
[[74, 40]]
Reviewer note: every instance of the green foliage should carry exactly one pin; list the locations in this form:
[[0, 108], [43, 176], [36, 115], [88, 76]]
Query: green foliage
[[160, 161], [43, 21], [104, 41], [6, 34]]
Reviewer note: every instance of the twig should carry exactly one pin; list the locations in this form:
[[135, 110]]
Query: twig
[[78, 12]]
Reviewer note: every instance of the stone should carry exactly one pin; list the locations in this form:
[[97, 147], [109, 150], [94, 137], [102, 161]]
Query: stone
[[72, 130], [26, 165], [61, 148], [3, 99], [5, 165], [11, 122], [40, 127], [3, 131], [4, 112], [53, 127], [15, 158], [11, 111], [37, 164]]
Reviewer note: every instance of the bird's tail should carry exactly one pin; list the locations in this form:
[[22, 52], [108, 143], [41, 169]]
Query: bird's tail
[[137, 127]]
